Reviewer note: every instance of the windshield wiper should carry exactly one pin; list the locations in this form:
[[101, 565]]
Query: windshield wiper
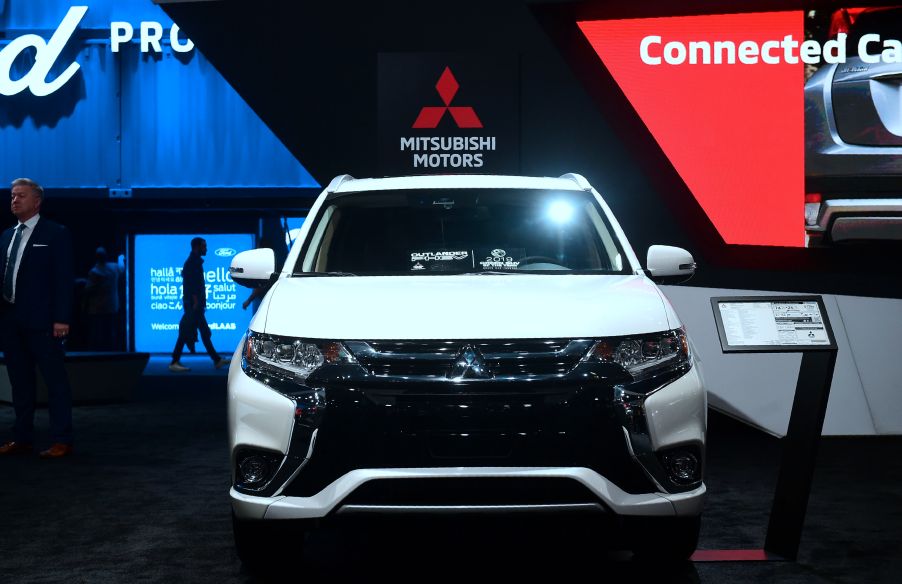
[[314, 274]]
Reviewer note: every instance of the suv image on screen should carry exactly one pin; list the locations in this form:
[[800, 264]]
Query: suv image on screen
[[853, 136], [465, 345]]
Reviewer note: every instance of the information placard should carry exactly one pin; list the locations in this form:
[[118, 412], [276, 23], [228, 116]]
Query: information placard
[[767, 323], [787, 324]]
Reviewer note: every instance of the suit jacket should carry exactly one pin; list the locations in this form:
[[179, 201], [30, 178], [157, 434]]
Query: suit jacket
[[45, 281]]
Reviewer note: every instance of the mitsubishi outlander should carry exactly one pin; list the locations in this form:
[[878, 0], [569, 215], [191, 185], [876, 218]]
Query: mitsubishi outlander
[[466, 345]]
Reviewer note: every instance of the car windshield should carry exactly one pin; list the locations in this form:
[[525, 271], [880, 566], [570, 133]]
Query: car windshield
[[461, 231]]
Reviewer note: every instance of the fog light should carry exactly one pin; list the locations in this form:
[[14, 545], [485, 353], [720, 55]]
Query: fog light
[[683, 466], [253, 470]]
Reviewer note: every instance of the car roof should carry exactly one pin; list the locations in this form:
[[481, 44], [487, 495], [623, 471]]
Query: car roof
[[567, 182]]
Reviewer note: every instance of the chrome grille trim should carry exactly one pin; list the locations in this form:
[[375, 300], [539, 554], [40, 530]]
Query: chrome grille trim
[[529, 359]]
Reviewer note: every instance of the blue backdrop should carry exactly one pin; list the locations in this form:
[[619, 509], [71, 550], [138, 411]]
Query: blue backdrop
[[131, 119]]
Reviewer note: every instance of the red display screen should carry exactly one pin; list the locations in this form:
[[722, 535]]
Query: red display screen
[[784, 126], [733, 131]]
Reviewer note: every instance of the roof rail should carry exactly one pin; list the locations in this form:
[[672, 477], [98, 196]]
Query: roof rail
[[337, 182], [579, 179]]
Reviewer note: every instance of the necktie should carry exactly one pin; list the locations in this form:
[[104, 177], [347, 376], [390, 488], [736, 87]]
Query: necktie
[[11, 264]]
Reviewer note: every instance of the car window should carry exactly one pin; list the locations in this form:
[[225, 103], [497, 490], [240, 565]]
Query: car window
[[462, 231]]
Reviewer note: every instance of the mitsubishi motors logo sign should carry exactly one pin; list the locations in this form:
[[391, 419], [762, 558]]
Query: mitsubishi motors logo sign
[[451, 152], [448, 113], [430, 116]]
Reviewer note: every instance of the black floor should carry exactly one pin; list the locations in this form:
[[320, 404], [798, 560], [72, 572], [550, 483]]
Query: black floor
[[144, 499]]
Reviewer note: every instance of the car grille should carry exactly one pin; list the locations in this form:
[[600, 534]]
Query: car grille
[[531, 359]]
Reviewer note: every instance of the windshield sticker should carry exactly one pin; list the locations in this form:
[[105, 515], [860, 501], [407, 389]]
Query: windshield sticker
[[441, 261], [499, 259], [439, 256], [445, 203]]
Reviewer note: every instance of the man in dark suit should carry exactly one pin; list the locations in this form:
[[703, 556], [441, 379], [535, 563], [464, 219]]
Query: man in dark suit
[[35, 310]]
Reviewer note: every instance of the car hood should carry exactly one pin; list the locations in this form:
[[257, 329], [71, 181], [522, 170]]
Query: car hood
[[464, 307]]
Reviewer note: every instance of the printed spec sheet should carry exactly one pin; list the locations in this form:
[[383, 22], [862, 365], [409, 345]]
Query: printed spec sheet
[[777, 323]]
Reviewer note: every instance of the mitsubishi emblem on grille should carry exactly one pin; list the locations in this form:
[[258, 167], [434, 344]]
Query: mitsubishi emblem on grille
[[470, 364]]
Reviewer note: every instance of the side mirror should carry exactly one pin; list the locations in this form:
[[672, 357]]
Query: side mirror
[[669, 265], [253, 267]]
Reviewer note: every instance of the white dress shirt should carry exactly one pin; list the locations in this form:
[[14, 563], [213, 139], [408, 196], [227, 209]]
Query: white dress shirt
[[26, 235]]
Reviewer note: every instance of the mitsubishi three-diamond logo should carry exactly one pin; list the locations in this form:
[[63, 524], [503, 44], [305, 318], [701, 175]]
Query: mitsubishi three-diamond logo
[[469, 364], [464, 116]]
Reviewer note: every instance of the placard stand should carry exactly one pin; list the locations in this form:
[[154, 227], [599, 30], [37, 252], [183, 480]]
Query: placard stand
[[809, 407], [806, 422]]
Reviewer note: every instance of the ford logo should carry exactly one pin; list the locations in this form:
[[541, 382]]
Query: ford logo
[[225, 252]]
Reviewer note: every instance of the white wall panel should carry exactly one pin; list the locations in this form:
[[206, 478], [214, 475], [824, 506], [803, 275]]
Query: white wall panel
[[758, 388], [848, 413], [874, 326]]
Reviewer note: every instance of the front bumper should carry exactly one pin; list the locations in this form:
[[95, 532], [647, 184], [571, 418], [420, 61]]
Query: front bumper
[[599, 452], [611, 498]]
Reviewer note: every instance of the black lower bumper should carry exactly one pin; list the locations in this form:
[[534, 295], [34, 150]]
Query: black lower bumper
[[419, 425]]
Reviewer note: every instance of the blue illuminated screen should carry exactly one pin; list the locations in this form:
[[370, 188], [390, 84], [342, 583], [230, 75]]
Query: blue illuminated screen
[[158, 291]]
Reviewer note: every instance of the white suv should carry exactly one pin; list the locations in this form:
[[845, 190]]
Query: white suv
[[465, 344]]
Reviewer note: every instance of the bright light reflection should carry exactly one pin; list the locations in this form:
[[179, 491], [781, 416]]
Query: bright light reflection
[[560, 211]]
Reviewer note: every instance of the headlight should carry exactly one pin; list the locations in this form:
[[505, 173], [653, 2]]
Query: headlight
[[644, 356], [290, 357]]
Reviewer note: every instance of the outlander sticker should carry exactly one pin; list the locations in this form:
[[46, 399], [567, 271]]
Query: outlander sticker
[[439, 256], [440, 260]]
